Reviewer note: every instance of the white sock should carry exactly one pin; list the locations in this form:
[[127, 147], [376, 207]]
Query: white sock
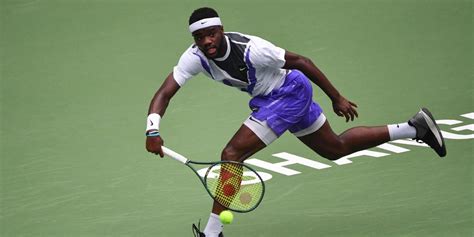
[[214, 226], [401, 130]]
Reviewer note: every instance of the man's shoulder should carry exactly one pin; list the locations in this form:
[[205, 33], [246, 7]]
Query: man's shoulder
[[193, 48], [238, 37], [192, 51], [245, 38]]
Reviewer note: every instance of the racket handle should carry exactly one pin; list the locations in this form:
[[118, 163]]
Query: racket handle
[[174, 155]]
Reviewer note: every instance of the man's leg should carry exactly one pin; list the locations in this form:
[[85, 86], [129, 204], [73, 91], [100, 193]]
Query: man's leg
[[422, 126], [241, 146], [331, 146]]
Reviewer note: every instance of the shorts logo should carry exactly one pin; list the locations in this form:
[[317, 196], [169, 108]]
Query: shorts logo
[[259, 123]]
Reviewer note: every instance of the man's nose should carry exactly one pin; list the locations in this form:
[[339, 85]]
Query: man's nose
[[207, 41]]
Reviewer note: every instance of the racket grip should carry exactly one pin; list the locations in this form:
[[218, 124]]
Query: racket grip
[[174, 155]]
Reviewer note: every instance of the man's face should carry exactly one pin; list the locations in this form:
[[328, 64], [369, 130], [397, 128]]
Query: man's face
[[209, 41]]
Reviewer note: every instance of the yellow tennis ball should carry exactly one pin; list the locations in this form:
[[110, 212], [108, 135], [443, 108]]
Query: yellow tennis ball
[[226, 217]]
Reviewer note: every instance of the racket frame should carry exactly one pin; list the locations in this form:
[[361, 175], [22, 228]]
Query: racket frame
[[178, 157]]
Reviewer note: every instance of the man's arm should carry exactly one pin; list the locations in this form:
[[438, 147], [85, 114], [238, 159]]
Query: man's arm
[[162, 97], [341, 106], [158, 105]]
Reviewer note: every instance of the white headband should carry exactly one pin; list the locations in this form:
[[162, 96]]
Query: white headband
[[203, 23]]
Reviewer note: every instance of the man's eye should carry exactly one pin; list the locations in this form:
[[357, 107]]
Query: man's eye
[[212, 34]]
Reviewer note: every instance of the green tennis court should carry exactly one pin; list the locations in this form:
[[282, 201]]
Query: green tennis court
[[77, 77]]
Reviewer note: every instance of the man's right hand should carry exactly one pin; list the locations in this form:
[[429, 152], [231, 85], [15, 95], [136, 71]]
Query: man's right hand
[[153, 145]]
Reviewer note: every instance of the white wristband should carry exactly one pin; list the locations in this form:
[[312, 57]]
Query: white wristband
[[153, 122]]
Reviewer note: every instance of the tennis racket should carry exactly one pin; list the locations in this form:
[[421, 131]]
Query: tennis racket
[[234, 185]]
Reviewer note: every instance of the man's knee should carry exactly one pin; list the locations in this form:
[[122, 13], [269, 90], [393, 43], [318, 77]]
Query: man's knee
[[230, 153], [335, 152], [332, 155]]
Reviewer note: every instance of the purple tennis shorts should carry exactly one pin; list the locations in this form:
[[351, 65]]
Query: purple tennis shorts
[[290, 107]]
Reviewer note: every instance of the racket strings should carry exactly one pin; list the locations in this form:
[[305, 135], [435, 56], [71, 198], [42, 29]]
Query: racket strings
[[234, 189]]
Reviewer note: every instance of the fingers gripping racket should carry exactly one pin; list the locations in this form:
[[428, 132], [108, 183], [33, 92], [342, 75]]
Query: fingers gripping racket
[[232, 184]]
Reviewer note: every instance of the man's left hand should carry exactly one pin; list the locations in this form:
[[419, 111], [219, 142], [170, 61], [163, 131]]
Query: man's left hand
[[343, 107]]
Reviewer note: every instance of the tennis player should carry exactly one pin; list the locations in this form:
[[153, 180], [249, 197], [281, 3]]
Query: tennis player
[[278, 82]]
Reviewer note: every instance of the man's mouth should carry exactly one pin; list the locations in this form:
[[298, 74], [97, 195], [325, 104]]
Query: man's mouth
[[211, 51]]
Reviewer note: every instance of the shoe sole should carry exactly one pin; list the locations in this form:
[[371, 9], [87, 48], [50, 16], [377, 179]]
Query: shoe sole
[[434, 129]]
